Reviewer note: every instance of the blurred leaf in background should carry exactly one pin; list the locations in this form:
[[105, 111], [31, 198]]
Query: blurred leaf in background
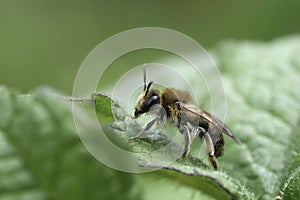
[[44, 42], [42, 157]]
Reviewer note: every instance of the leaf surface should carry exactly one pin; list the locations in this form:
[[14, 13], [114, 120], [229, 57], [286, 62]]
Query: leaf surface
[[42, 157]]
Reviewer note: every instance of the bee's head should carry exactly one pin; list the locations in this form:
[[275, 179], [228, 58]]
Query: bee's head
[[147, 99]]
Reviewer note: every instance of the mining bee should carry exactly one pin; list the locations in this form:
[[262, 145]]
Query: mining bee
[[177, 107]]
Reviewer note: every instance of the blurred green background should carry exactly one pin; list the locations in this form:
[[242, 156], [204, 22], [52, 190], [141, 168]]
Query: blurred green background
[[43, 42]]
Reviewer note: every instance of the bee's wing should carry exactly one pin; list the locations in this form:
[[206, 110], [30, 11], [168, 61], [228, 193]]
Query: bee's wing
[[204, 115]]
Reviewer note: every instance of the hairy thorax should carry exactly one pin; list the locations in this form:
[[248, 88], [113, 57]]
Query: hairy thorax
[[170, 101]]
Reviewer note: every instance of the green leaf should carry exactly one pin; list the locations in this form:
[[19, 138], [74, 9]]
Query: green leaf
[[261, 81], [194, 173], [103, 106], [290, 183], [42, 156]]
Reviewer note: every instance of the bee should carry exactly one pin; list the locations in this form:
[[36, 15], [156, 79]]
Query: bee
[[177, 107]]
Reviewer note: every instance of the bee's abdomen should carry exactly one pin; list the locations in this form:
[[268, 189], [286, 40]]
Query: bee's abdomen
[[219, 147]]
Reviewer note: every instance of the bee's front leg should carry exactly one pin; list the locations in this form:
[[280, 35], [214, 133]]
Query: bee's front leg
[[158, 120]]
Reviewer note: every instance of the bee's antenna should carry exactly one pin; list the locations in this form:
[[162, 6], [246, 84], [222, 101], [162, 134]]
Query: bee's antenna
[[144, 71], [146, 87], [149, 85]]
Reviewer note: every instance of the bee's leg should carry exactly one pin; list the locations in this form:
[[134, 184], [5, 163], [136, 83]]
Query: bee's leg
[[158, 120], [209, 148], [187, 141]]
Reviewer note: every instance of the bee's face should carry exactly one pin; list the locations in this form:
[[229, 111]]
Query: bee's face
[[146, 101]]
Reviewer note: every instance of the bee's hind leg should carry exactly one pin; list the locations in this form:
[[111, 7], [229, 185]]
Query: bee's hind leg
[[209, 148]]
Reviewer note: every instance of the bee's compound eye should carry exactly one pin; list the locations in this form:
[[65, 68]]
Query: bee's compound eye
[[151, 101]]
